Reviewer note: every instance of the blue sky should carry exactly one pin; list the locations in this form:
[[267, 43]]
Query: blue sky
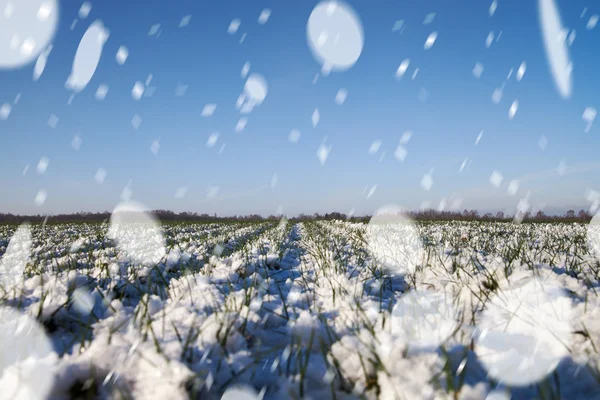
[[445, 107]]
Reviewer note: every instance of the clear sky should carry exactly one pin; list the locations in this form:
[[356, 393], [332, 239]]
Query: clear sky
[[445, 107]]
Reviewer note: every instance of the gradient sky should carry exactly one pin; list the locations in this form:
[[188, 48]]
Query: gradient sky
[[445, 107]]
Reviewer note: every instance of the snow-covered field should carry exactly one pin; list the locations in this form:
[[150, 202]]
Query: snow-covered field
[[307, 310]]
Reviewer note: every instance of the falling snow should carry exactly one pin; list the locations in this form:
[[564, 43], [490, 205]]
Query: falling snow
[[513, 109], [212, 139], [341, 96], [294, 136], [323, 153], [427, 182], [122, 55], [185, 21], [85, 9], [478, 70], [264, 16], [208, 110], [234, 26], [155, 147], [315, 118], [5, 110], [496, 179], [402, 68], [592, 22], [100, 176], [521, 71], [430, 40]]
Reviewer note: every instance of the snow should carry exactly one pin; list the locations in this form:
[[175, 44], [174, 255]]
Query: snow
[[592, 22], [400, 153], [101, 92], [556, 50], [136, 121], [180, 193], [589, 116], [479, 137], [294, 136], [497, 95], [245, 70], [513, 187], [154, 29], [5, 110], [100, 176], [40, 64], [234, 26], [493, 7], [521, 71], [478, 70], [181, 90], [155, 147], [42, 165], [398, 25], [496, 179], [513, 109], [489, 40], [427, 182], [87, 56], [34, 21], [136, 233], [138, 90], [212, 139], [430, 40], [256, 88], [185, 21], [341, 96], [264, 16], [429, 18], [402, 68], [371, 191], [543, 142], [231, 286], [335, 35], [84, 10], [122, 55], [40, 198], [315, 118], [525, 330], [208, 110], [323, 153]]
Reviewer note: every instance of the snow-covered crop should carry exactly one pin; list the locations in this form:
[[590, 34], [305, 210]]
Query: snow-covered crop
[[299, 310]]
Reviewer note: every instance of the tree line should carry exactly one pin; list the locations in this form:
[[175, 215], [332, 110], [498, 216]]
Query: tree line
[[423, 215]]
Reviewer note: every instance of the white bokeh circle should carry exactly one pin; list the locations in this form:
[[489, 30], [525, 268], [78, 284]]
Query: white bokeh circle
[[137, 233], [593, 236], [27, 358], [335, 35], [88, 56], [26, 28], [15, 258], [394, 240], [524, 331], [556, 47], [256, 88], [424, 319]]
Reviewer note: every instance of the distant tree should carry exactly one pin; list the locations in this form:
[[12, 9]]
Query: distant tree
[[488, 216], [499, 215], [583, 215], [540, 215], [570, 214]]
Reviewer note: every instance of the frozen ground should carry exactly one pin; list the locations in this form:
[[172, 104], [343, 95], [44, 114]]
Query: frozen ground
[[307, 310]]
